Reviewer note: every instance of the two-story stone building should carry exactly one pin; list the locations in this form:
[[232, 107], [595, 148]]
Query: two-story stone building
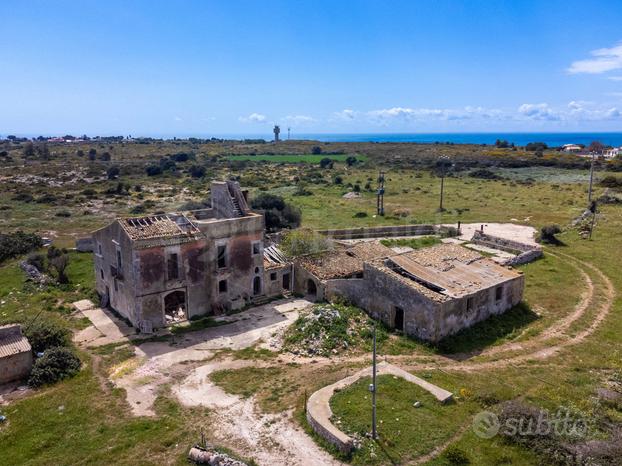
[[159, 269]]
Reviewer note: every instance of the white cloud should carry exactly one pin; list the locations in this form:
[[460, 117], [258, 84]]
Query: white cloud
[[177, 118], [346, 114], [299, 119], [538, 112], [606, 59], [615, 78], [253, 118]]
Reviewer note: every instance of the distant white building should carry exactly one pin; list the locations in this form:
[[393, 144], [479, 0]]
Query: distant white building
[[611, 153], [571, 148]]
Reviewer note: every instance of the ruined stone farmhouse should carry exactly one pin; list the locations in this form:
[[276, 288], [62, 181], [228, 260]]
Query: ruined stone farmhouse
[[160, 269], [428, 293]]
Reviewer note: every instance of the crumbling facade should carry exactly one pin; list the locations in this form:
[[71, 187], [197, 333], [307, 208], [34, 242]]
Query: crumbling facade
[[428, 293], [161, 269]]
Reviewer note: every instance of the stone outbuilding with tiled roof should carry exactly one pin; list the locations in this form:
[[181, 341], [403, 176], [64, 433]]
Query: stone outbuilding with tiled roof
[[15, 354], [433, 292]]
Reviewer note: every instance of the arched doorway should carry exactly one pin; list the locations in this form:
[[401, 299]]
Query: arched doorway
[[175, 307], [311, 288], [257, 286]]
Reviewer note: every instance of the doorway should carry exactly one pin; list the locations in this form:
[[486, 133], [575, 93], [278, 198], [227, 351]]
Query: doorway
[[286, 281], [175, 307], [257, 286], [399, 319], [311, 288]]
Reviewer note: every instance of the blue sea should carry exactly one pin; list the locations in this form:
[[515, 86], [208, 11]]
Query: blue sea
[[519, 139]]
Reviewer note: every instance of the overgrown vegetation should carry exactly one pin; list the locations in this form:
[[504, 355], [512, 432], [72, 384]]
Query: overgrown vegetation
[[415, 243], [56, 364], [15, 244]]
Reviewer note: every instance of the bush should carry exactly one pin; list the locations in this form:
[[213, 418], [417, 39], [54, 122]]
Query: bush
[[326, 163], [300, 242], [536, 146], [351, 160], [316, 150], [56, 364], [197, 171], [338, 179], [611, 182], [113, 172], [548, 232], [37, 260], [44, 334], [277, 212], [153, 170], [14, 244], [455, 455]]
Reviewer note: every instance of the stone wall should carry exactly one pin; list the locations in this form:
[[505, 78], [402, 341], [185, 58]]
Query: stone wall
[[524, 252], [385, 231]]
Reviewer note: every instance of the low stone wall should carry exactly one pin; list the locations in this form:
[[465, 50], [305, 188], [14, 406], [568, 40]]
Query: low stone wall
[[524, 252], [385, 231], [318, 405]]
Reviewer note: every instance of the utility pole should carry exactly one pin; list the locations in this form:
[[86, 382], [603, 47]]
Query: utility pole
[[443, 162], [589, 196], [380, 194], [372, 388]]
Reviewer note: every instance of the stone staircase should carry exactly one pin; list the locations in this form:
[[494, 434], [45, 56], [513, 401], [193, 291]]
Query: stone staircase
[[236, 207]]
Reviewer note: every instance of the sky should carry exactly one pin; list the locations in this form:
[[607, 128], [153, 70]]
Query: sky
[[155, 68]]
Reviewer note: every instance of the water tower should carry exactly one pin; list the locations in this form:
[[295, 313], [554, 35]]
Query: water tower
[[277, 131]]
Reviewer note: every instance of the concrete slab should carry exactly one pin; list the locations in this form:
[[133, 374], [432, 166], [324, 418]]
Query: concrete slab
[[512, 231]]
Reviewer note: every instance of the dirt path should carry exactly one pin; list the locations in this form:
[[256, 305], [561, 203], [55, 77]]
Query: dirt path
[[267, 438]]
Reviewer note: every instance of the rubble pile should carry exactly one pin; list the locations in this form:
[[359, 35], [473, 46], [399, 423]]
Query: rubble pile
[[201, 455], [34, 274], [325, 330]]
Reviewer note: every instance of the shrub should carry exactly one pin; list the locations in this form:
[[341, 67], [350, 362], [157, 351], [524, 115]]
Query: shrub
[[611, 182], [326, 163], [548, 232], [536, 146], [113, 172], [14, 244], [299, 242], [351, 160], [316, 150], [338, 179], [197, 171], [56, 364], [277, 212], [153, 170], [44, 334], [63, 213], [37, 260], [455, 455], [360, 215]]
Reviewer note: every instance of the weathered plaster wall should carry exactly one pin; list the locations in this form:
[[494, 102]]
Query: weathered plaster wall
[[275, 287], [15, 367]]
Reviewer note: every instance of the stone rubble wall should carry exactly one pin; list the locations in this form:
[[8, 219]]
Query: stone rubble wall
[[525, 253], [385, 231]]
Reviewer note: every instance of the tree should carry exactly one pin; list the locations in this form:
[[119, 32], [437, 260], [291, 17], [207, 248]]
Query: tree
[[596, 147], [105, 157], [113, 172], [326, 163], [92, 154], [351, 160], [60, 264]]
